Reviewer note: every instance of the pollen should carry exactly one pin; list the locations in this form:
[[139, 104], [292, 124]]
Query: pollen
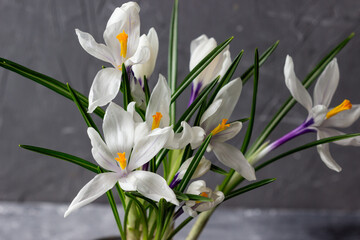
[[123, 39], [345, 105], [122, 160], [220, 127], [203, 194], [156, 120]]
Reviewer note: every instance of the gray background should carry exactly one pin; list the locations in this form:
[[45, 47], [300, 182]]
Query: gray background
[[40, 35]]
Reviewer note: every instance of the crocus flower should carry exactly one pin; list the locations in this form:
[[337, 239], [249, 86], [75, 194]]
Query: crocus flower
[[123, 45], [203, 167], [199, 188], [214, 121], [199, 48], [121, 156], [157, 116], [321, 118]]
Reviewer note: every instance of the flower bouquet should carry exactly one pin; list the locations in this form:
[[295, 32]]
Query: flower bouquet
[[153, 156]]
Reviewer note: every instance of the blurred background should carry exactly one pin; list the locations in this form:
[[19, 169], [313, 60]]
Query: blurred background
[[40, 35]]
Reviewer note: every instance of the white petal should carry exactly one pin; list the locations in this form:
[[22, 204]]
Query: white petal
[[189, 211], [101, 152], [211, 110], [228, 133], [95, 49], [118, 127], [318, 113], [199, 48], [126, 18], [203, 167], [153, 186], [159, 102], [137, 92], [147, 147], [225, 59], [229, 95], [329, 132], [326, 84], [99, 185], [133, 112], [142, 53], [189, 135], [147, 68], [196, 187], [325, 155], [104, 88], [296, 88], [233, 158], [344, 119]]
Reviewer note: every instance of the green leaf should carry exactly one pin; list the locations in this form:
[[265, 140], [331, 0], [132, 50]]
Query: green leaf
[[198, 198], [181, 196], [248, 73], [286, 107], [306, 146], [63, 156], [217, 169], [248, 188], [46, 81], [227, 77], [253, 105], [199, 68], [172, 58], [194, 163], [125, 84], [146, 90], [86, 116], [181, 225]]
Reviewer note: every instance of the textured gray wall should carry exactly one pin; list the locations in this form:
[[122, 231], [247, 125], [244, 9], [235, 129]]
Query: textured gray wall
[[40, 35]]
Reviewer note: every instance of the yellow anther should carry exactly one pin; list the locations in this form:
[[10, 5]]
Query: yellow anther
[[220, 127], [345, 105], [122, 160], [156, 120], [203, 194], [123, 38]]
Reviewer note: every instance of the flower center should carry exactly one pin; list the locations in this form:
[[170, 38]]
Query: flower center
[[156, 120], [122, 160], [203, 194], [345, 105], [123, 38], [220, 127]]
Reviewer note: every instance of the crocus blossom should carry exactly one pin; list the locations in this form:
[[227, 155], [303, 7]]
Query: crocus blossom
[[199, 48], [202, 168], [157, 116], [321, 118], [199, 188], [214, 121], [121, 156], [123, 45]]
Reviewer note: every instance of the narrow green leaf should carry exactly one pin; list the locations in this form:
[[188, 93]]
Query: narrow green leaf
[[253, 105], [227, 77], [46, 81], [125, 84], [63, 156], [198, 198], [148, 200], [306, 146], [86, 116], [181, 225], [172, 58], [181, 196], [142, 214], [199, 68], [250, 71], [286, 107], [146, 90], [217, 169], [126, 216], [194, 163], [248, 188]]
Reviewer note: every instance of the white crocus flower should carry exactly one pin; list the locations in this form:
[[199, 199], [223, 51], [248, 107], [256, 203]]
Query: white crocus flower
[[123, 45], [321, 118], [214, 121], [199, 48], [199, 188], [157, 116], [121, 156], [139, 71], [203, 167]]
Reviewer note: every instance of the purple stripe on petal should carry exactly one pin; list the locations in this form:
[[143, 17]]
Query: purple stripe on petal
[[176, 180], [194, 93]]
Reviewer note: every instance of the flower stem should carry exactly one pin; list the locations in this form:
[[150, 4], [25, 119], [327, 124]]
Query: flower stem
[[199, 225]]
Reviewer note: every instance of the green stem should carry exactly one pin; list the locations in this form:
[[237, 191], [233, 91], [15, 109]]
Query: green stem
[[199, 225]]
